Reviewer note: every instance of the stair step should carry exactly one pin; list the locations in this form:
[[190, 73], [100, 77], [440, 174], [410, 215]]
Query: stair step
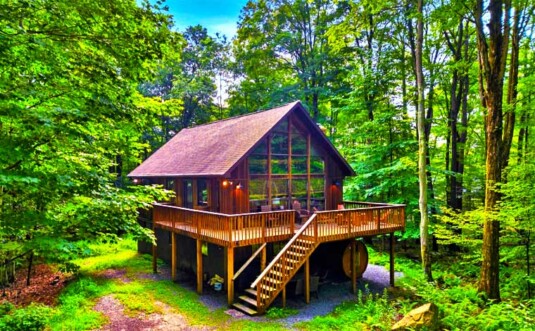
[[245, 309], [249, 300], [252, 292]]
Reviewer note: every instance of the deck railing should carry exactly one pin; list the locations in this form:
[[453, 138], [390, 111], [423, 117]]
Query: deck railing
[[224, 229], [365, 219], [357, 219]]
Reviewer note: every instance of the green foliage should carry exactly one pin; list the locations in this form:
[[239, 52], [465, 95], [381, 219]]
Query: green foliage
[[69, 129], [32, 318], [375, 312], [282, 53], [6, 307], [276, 312]]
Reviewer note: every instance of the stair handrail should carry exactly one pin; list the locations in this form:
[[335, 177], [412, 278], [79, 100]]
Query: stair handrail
[[246, 264], [284, 249]]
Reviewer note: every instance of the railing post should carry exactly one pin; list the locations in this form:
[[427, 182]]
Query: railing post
[[263, 227], [197, 226], [228, 224], [315, 229], [172, 219], [292, 222], [378, 213]]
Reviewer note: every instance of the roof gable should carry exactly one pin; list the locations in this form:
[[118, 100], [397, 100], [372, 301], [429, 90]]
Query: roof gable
[[214, 149]]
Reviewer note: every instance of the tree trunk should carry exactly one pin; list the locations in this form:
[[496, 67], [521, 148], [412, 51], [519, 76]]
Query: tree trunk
[[512, 92], [492, 51], [30, 264], [458, 45], [422, 148]]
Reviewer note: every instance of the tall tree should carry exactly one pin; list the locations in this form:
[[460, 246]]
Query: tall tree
[[292, 33], [69, 71], [493, 28], [422, 144]]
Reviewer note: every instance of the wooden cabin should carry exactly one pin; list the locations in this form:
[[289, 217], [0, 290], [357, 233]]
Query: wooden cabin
[[259, 197]]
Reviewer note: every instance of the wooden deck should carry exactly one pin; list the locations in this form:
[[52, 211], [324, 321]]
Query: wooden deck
[[362, 219]]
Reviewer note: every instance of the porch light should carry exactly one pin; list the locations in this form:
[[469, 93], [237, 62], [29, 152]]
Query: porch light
[[135, 180], [238, 187], [226, 183], [337, 183]]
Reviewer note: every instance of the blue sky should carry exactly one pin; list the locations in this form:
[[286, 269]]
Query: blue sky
[[216, 16]]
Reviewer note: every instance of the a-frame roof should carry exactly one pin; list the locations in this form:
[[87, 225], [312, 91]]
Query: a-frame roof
[[214, 149]]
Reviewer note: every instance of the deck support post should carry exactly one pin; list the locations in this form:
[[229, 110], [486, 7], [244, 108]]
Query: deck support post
[[284, 297], [230, 275], [199, 266], [154, 259], [173, 256], [307, 280], [392, 259], [353, 265]]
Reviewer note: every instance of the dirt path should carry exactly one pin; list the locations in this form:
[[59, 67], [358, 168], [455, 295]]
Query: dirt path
[[119, 321]]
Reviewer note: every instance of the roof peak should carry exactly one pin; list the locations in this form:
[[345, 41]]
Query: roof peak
[[293, 104]]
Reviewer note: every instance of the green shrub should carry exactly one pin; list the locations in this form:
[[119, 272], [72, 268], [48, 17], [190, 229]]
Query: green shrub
[[32, 318], [276, 312], [5, 308]]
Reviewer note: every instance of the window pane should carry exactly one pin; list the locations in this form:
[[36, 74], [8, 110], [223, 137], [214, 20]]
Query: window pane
[[257, 194], [258, 164], [262, 148], [170, 184], [279, 143], [279, 165], [188, 193], [299, 165], [279, 193], [299, 192], [299, 144], [281, 127], [316, 165], [202, 192], [317, 193]]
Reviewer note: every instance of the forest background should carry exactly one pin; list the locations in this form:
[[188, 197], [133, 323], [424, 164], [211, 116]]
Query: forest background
[[89, 89]]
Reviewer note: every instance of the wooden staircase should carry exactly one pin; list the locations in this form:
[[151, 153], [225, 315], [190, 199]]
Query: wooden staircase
[[280, 271]]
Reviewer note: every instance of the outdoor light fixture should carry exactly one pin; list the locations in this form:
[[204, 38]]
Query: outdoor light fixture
[[337, 183], [225, 183], [238, 187], [135, 180]]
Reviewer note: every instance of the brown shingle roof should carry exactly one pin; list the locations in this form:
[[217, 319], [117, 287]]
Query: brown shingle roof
[[214, 149]]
